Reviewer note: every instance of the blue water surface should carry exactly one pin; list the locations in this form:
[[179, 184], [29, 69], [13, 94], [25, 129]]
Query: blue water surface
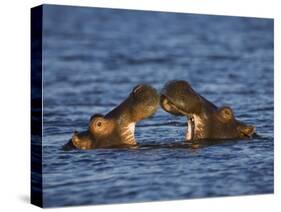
[[92, 58]]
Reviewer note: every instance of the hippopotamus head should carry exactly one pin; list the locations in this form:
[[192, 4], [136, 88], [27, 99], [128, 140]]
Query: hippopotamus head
[[205, 120], [82, 140], [117, 127]]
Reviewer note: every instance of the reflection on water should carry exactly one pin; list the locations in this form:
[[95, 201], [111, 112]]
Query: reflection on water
[[92, 60]]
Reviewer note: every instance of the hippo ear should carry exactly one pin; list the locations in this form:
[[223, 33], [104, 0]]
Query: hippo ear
[[96, 116], [225, 114], [137, 88]]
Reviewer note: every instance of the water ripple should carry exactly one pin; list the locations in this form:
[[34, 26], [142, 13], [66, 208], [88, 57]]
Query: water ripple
[[90, 68]]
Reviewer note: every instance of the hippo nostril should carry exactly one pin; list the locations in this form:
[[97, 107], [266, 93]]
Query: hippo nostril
[[68, 146], [247, 131], [252, 130]]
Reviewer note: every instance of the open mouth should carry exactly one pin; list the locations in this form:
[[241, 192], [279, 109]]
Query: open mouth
[[172, 108]]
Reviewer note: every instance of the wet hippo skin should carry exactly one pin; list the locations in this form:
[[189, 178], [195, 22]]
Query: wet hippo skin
[[205, 120], [116, 129]]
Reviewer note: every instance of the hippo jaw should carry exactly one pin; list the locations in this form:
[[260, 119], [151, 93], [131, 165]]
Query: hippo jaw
[[127, 134], [196, 127], [195, 122], [142, 103]]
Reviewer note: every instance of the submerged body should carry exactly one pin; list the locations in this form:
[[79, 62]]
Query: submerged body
[[116, 129], [205, 120]]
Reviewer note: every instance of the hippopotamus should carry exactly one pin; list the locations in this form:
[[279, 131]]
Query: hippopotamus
[[116, 128], [205, 120]]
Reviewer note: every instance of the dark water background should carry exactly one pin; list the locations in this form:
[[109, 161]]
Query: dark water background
[[93, 58]]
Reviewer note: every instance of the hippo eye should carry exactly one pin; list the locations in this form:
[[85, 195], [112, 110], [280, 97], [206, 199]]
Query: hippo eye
[[99, 123]]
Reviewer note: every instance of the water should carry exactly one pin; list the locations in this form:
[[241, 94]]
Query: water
[[94, 57]]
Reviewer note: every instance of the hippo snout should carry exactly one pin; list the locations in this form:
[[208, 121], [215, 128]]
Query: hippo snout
[[68, 146]]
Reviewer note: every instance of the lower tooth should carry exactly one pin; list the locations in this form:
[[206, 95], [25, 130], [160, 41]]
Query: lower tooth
[[189, 130]]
